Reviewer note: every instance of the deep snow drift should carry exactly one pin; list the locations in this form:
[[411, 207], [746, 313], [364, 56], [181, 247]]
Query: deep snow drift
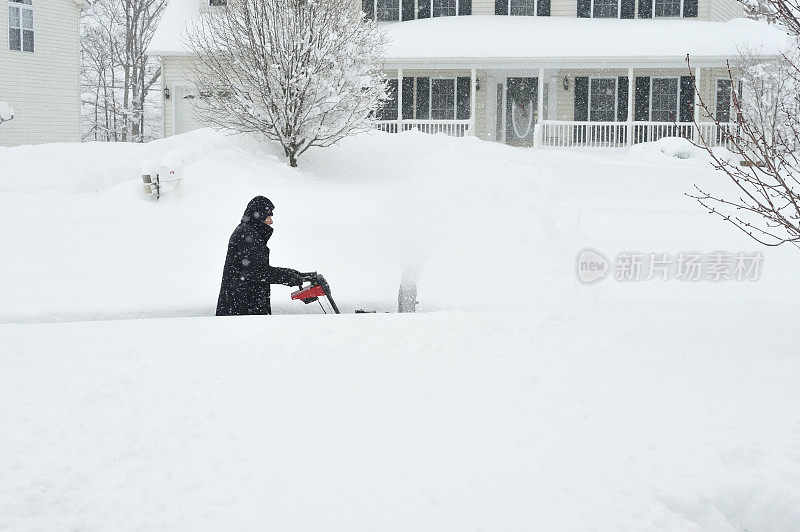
[[528, 401]]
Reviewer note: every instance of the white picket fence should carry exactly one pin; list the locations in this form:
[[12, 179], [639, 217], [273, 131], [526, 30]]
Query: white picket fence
[[454, 128]]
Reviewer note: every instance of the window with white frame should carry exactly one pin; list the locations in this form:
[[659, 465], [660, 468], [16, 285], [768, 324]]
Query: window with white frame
[[724, 100], [445, 8], [605, 9], [443, 98], [664, 96], [602, 99], [522, 8], [387, 10], [20, 25], [667, 8]]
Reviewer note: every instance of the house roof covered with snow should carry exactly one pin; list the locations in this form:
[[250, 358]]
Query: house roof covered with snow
[[512, 42]]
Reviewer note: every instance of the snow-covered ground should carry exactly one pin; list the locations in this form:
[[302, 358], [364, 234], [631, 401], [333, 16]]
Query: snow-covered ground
[[519, 399]]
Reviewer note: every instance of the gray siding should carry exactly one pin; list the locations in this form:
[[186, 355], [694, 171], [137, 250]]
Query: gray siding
[[43, 87]]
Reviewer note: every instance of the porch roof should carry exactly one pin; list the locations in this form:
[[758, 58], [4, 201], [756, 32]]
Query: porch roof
[[562, 42]]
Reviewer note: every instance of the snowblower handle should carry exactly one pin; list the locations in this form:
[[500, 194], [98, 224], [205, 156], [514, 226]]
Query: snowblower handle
[[318, 287]]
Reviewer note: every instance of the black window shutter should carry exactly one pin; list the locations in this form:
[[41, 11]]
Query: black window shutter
[[689, 8], [408, 98], [584, 8], [464, 7], [543, 8], [641, 107], [462, 98], [408, 9], [423, 99], [368, 7], [686, 112], [645, 8], [582, 98], [622, 99], [627, 9], [501, 7], [424, 9]]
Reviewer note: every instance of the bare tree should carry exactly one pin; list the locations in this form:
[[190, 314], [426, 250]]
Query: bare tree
[[301, 72], [117, 76], [763, 168]]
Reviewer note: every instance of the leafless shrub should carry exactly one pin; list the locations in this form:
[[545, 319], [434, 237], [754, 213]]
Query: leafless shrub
[[303, 73]]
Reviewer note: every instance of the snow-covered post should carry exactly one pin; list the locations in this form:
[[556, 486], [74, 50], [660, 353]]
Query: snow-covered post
[[538, 130], [631, 100], [472, 77], [399, 100], [302, 73], [696, 133]]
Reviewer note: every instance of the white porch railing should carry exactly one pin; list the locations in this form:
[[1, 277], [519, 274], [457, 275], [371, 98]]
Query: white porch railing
[[454, 128], [563, 133], [557, 133]]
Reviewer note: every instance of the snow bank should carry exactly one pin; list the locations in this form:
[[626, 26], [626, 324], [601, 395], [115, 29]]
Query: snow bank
[[97, 166], [487, 225]]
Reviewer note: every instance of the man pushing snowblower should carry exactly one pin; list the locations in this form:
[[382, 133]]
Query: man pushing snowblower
[[247, 275]]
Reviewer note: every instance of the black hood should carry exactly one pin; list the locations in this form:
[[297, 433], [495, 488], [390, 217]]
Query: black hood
[[257, 211]]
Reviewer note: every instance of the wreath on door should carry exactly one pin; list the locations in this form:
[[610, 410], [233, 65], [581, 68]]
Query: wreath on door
[[521, 92]]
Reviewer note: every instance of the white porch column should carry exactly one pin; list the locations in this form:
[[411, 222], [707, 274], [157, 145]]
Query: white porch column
[[696, 132], [473, 75], [631, 102], [399, 100], [538, 128]]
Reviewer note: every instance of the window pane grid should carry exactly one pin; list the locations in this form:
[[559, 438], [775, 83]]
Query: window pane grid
[[388, 10], [602, 99], [667, 8], [664, 107], [445, 8], [20, 26], [443, 99], [522, 8], [605, 8]]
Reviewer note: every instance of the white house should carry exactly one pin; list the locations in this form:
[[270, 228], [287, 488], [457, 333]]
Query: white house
[[40, 71], [535, 72]]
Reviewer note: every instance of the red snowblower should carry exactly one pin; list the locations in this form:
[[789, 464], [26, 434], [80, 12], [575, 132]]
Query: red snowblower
[[318, 287]]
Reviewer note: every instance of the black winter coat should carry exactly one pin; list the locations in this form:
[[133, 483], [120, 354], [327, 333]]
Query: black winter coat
[[247, 274]]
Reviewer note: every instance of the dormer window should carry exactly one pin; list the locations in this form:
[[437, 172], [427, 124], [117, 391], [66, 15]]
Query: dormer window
[[605, 9], [217, 2], [522, 8], [387, 10], [20, 25], [445, 8], [667, 8]]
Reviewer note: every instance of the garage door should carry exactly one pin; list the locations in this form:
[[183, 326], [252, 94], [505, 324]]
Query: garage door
[[187, 119]]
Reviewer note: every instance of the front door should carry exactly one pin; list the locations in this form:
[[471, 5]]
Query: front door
[[520, 115]]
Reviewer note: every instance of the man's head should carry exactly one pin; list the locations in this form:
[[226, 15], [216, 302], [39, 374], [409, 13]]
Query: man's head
[[259, 211]]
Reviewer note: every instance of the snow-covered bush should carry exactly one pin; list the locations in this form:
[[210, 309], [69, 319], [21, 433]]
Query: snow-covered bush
[[301, 72], [6, 112]]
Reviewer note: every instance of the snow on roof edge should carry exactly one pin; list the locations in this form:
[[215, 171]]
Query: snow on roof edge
[[498, 40]]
